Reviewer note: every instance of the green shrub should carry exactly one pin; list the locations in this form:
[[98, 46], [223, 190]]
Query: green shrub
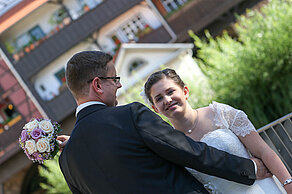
[[55, 181], [254, 71]]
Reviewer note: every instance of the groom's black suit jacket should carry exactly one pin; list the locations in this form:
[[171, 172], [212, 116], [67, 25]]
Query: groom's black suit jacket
[[130, 149]]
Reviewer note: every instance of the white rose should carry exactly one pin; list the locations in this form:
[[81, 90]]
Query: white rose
[[30, 146], [46, 126], [31, 125], [43, 145]]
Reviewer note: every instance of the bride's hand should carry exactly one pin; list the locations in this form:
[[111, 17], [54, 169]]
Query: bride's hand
[[262, 171], [288, 188], [62, 139]]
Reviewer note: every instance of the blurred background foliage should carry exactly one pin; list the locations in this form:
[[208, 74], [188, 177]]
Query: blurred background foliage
[[252, 72], [54, 180]]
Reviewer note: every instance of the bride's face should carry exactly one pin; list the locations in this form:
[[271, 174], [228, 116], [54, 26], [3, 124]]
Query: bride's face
[[169, 98]]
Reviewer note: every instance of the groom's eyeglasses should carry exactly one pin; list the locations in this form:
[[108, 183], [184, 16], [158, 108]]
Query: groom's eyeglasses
[[115, 79]]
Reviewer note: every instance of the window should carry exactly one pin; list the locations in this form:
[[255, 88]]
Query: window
[[132, 28], [136, 65], [7, 112], [23, 40], [42, 87], [27, 38], [60, 75], [36, 33], [171, 5], [58, 16], [90, 3], [131, 31]]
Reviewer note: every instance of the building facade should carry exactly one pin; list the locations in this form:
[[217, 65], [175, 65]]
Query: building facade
[[17, 106], [38, 37]]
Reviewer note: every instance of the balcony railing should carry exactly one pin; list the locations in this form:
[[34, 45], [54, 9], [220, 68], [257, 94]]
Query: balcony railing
[[278, 135]]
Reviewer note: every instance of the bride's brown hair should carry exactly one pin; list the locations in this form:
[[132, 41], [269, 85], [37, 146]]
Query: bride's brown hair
[[159, 75]]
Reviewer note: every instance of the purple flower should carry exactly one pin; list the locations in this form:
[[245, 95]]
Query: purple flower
[[37, 156], [24, 136], [36, 133]]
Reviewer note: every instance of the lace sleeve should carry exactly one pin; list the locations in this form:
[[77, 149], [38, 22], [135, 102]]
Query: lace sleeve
[[242, 125], [234, 119]]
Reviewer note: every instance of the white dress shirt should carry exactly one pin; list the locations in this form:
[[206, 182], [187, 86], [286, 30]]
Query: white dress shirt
[[86, 104]]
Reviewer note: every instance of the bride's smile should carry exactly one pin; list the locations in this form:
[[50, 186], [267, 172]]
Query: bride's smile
[[171, 107]]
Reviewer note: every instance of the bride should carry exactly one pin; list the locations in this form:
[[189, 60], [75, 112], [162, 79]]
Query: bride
[[220, 126]]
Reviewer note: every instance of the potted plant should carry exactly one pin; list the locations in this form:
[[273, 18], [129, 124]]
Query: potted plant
[[146, 30], [27, 49], [16, 56], [86, 7], [10, 48], [31, 46]]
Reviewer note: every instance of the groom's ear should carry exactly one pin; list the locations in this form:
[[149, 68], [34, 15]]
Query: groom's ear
[[96, 86], [155, 109]]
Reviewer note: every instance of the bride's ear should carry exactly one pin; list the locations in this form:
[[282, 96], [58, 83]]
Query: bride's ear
[[155, 109], [186, 92]]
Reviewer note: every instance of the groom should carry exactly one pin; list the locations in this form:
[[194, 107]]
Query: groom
[[129, 149]]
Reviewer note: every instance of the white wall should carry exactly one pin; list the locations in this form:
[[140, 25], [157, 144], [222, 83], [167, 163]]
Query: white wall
[[46, 76], [152, 56]]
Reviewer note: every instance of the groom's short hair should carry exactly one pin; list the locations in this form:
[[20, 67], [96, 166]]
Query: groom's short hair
[[84, 66]]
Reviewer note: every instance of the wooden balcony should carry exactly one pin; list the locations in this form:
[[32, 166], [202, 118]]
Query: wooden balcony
[[70, 35], [61, 106], [159, 35], [197, 14]]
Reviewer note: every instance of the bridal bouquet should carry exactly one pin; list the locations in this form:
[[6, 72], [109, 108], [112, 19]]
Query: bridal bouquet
[[38, 139]]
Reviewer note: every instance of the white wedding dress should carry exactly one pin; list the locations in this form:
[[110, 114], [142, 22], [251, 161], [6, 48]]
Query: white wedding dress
[[230, 123]]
